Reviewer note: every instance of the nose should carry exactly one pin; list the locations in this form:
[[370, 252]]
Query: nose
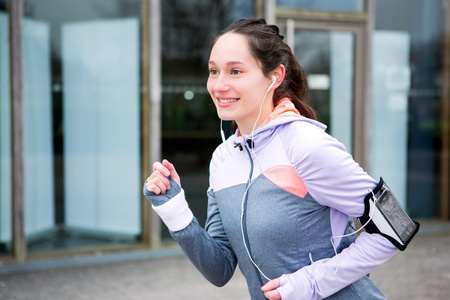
[[219, 84]]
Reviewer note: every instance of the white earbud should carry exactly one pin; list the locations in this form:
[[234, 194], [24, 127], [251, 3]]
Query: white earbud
[[274, 80]]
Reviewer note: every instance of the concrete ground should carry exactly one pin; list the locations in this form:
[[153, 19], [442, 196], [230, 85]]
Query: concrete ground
[[421, 272]]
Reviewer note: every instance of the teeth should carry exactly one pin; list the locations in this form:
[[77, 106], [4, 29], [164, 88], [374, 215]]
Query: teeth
[[228, 100]]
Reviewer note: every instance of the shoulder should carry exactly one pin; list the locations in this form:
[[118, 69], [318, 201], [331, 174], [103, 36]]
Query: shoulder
[[302, 128], [308, 137], [217, 158], [221, 154]]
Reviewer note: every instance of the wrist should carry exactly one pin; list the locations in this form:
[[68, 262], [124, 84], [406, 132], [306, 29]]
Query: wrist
[[157, 200], [295, 286], [175, 213]]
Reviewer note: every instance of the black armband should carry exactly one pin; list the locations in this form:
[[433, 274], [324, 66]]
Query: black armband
[[387, 217]]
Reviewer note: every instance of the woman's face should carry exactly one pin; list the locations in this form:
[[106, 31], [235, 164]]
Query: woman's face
[[236, 83]]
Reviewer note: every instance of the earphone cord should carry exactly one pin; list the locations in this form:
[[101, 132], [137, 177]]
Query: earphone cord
[[244, 198], [250, 183], [342, 236], [254, 127], [222, 134]]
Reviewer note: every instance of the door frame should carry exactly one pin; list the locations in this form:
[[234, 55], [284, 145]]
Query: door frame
[[361, 25]]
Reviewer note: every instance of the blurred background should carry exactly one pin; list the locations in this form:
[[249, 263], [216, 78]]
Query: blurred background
[[109, 86]]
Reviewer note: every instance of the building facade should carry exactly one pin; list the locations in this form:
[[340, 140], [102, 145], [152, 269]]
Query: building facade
[[93, 91]]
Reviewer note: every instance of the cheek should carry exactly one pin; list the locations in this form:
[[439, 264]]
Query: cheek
[[209, 86]]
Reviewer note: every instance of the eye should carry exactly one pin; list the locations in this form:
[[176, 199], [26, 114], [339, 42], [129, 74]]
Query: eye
[[236, 71], [213, 72]]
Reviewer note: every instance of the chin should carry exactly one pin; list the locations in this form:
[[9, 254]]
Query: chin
[[225, 116]]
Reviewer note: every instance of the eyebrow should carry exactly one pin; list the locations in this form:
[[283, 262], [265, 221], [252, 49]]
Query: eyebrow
[[230, 63]]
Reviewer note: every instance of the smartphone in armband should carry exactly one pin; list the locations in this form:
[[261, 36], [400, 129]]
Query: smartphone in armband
[[384, 214]]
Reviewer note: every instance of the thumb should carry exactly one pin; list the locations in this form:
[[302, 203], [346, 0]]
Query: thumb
[[271, 285], [173, 173]]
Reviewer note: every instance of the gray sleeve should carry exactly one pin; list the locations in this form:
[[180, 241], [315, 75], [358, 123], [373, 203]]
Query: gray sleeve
[[209, 250]]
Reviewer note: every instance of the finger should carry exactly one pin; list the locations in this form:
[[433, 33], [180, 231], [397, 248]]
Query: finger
[[272, 295], [157, 166], [173, 172], [161, 177], [156, 179], [271, 285], [155, 189], [159, 184]]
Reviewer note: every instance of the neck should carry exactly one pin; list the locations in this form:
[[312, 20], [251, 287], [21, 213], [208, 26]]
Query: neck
[[247, 127]]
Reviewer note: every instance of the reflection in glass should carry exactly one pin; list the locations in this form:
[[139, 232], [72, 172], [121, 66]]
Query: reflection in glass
[[391, 82], [414, 89], [101, 125], [327, 58], [191, 126], [39, 177], [81, 67], [330, 5], [5, 135]]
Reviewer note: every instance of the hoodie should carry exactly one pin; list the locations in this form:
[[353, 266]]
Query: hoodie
[[276, 198]]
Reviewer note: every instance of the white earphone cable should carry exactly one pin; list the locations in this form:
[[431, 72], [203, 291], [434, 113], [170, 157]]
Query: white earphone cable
[[251, 182], [257, 119], [342, 236], [222, 134], [243, 235]]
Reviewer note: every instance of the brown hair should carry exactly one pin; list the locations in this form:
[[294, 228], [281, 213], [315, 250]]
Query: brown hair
[[267, 46]]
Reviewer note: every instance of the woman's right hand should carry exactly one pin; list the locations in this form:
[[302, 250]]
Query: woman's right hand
[[158, 181], [166, 196]]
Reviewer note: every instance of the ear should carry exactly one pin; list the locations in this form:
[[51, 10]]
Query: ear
[[279, 73]]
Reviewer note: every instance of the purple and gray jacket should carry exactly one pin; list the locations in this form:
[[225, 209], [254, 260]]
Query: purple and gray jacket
[[282, 193]]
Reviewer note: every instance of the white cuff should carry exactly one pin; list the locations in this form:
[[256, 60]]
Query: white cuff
[[175, 213]]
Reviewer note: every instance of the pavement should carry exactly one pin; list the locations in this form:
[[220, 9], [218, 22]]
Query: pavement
[[420, 272]]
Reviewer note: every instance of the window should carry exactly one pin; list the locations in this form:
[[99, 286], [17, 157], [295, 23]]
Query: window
[[328, 5], [82, 123], [407, 85], [190, 128], [5, 134]]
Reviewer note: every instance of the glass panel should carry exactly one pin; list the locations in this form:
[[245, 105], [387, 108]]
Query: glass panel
[[189, 120], [391, 81], [327, 58], [101, 125], [330, 5], [82, 106], [5, 134], [407, 91], [39, 179]]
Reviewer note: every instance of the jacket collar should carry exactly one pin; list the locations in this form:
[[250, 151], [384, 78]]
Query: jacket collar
[[284, 113]]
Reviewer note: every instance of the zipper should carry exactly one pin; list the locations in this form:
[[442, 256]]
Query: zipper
[[244, 216]]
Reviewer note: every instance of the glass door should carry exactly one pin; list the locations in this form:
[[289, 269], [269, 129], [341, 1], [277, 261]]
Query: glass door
[[82, 124], [332, 55], [329, 55]]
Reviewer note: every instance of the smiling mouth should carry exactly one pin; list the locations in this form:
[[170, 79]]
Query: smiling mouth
[[227, 100]]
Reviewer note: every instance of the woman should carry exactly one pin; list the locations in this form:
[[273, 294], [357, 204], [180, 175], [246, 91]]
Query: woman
[[280, 187]]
